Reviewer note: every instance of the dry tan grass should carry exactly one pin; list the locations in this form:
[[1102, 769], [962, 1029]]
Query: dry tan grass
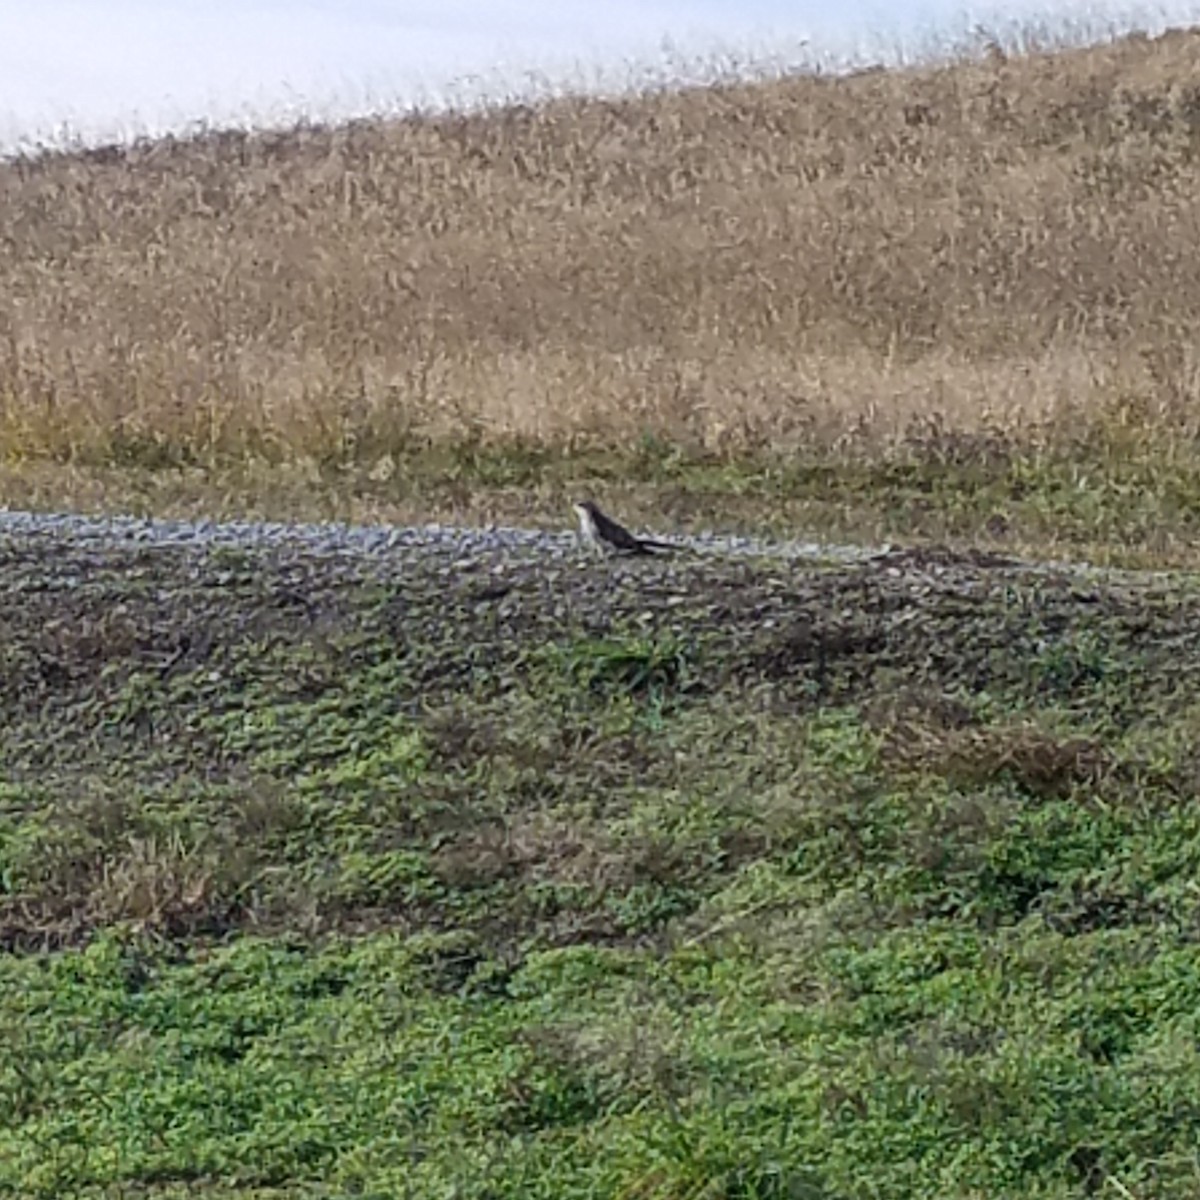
[[1005, 247]]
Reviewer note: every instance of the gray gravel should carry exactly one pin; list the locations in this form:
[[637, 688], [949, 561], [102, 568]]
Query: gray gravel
[[342, 539], [497, 545]]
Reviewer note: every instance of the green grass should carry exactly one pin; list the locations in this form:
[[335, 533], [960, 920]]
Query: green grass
[[524, 878]]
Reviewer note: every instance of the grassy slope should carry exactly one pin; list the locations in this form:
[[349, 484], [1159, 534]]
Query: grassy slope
[[637, 880]]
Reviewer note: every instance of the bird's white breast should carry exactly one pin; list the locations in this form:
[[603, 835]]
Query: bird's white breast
[[586, 523]]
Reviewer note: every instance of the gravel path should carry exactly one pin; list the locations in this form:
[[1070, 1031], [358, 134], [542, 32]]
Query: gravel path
[[491, 546], [341, 539]]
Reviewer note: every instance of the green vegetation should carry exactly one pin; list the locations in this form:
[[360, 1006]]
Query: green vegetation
[[523, 878]]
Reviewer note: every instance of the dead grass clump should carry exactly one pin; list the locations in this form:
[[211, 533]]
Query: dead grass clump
[[1004, 247], [155, 884], [1037, 761], [541, 847]]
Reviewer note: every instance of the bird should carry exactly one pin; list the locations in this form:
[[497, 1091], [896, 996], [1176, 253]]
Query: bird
[[603, 534]]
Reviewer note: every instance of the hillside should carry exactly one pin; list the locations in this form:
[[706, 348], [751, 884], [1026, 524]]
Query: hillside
[[449, 861], [966, 265]]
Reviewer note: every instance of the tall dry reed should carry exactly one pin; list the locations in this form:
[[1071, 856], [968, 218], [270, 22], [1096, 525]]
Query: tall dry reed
[[1001, 248]]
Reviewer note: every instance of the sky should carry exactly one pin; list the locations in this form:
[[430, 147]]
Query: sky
[[100, 70]]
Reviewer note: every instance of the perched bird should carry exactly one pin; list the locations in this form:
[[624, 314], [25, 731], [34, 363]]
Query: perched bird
[[605, 535]]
